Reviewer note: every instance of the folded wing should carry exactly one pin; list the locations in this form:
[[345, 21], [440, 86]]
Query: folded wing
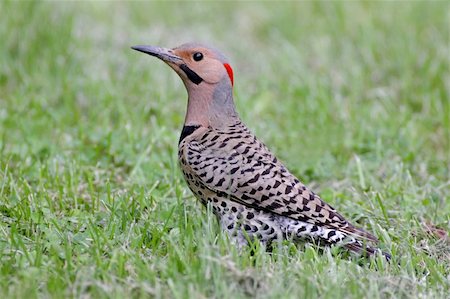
[[246, 172]]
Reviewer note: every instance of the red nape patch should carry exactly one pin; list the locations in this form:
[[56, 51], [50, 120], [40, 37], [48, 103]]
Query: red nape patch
[[230, 72]]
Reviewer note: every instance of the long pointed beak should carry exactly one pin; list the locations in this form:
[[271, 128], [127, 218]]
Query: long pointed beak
[[164, 54]]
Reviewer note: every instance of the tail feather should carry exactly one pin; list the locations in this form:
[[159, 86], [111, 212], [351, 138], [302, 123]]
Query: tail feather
[[360, 248], [360, 234]]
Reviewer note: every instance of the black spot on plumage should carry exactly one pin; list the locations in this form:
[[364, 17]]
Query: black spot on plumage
[[254, 180], [247, 149], [238, 145], [233, 170], [222, 194], [287, 190], [251, 156], [275, 205], [220, 182], [248, 198], [303, 209], [243, 185], [336, 216], [277, 184], [250, 215], [259, 163], [204, 136], [234, 154]]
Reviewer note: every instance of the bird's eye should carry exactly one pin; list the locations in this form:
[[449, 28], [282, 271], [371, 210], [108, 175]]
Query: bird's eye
[[197, 56]]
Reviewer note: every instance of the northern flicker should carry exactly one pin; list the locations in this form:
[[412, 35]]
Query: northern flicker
[[253, 195]]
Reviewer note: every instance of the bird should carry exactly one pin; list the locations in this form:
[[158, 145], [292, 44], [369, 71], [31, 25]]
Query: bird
[[252, 193]]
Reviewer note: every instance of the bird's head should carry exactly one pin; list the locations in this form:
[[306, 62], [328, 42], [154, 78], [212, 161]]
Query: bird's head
[[195, 63], [208, 78]]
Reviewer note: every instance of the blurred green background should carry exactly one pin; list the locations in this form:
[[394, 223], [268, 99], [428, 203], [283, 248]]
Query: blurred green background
[[352, 96]]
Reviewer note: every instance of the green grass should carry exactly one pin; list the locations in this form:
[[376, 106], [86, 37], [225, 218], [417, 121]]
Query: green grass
[[353, 97]]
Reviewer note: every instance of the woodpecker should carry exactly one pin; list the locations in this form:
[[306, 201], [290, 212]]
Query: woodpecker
[[253, 195]]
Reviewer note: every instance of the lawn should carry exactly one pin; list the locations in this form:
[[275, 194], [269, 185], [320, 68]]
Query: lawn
[[353, 97]]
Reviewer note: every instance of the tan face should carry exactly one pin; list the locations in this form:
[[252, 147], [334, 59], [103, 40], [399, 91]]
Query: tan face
[[203, 62], [195, 64]]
